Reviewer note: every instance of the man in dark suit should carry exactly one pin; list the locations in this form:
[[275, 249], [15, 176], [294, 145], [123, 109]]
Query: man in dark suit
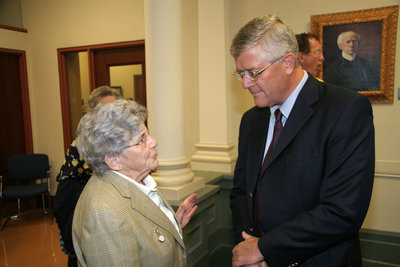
[[308, 203]]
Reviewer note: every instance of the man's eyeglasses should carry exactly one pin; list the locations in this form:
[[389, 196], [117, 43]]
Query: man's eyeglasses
[[253, 75], [318, 52]]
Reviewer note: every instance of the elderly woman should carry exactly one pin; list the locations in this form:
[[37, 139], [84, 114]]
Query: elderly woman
[[121, 219], [73, 175]]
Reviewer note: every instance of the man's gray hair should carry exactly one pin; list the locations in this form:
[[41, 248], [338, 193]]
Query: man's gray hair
[[340, 37], [274, 36]]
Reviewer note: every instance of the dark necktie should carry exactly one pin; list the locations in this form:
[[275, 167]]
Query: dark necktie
[[277, 131]]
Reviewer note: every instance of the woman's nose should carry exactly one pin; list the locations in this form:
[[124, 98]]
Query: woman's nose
[[152, 142]]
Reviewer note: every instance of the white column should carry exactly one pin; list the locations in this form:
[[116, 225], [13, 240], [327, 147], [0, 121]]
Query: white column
[[215, 151], [163, 43]]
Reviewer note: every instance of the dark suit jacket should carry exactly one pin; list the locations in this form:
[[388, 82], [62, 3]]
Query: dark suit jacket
[[316, 188], [356, 75]]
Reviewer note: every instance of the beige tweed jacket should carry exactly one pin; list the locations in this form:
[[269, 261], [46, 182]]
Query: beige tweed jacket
[[116, 224]]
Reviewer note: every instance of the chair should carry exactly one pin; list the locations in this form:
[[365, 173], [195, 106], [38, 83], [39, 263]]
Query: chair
[[24, 169]]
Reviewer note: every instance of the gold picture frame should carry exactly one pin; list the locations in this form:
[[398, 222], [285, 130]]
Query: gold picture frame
[[379, 26]]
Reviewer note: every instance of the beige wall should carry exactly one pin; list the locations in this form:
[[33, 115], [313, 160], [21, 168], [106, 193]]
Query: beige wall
[[124, 76], [59, 24]]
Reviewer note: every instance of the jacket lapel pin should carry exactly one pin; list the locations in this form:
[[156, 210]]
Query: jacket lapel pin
[[160, 237]]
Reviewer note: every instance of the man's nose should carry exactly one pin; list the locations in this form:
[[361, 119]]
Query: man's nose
[[246, 82]]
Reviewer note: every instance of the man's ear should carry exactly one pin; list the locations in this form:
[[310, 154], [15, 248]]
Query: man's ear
[[290, 62], [301, 56], [113, 162]]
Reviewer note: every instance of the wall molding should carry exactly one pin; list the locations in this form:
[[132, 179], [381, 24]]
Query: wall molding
[[380, 248], [389, 169], [214, 157]]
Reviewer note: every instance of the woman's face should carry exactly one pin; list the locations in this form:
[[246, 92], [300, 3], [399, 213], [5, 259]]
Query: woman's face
[[140, 157]]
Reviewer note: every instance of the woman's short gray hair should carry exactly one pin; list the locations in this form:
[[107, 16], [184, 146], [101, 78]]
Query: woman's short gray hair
[[108, 130], [275, 37], [99, 93]]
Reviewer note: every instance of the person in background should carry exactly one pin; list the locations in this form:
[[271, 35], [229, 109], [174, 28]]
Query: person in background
[[305, 168], [310, 53], [351, 70], [73, 176], [121, 219]]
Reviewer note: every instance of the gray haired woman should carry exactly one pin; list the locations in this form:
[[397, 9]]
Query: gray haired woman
[[121, 219], [72, 178]]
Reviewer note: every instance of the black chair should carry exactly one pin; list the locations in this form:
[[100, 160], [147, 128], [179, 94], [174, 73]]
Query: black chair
[[24, 169]]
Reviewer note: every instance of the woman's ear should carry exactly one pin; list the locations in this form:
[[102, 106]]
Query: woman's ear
[[113, 162]]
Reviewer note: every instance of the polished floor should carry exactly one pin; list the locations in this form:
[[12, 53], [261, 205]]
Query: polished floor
[[31, 241]]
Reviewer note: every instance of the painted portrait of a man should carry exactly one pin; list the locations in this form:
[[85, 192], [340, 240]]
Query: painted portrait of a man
[[353, 61]]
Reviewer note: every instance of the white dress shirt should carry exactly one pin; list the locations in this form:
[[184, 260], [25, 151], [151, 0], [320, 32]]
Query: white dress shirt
[[285, 109], [150, 189]]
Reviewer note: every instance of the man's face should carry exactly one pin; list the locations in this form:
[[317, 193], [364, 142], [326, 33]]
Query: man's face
[[312, 61], [270, 87], [349, 43]]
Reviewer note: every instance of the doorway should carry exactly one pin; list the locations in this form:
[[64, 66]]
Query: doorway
[[15, 117], [82, 69]]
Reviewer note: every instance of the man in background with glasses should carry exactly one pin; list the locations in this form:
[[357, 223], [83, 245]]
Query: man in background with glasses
[[304, 173], [310, 53]]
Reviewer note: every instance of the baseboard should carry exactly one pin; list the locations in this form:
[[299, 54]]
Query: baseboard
[[380, 248]]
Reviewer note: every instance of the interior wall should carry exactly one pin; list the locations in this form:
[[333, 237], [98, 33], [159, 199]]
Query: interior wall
[[10, 13], [61, 24], [57, 24], [84, 75], [385, 205], [123, 76]]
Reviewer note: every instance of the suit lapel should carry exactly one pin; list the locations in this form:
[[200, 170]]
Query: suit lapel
[[143, 204], [300, 114], [257, 144]]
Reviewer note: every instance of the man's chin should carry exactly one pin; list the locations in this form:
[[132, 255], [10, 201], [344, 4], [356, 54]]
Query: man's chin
[[261, 104]]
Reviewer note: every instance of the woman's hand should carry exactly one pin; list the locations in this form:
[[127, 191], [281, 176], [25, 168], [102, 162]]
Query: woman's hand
[[186, 210]]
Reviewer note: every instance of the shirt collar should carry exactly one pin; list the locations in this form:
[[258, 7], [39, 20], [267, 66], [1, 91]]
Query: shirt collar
[[348, 57], [149, 186], [287, 106]]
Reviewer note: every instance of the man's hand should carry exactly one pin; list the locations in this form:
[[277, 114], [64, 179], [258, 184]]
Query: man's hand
[[246, 253], [186, 210], [260, 264]]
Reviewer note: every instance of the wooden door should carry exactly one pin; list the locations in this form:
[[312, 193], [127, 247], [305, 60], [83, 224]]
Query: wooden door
[[15, 121], [105, 58], [101, 58]]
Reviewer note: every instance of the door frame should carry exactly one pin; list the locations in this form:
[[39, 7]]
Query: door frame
[[64, 94], [26, 107]]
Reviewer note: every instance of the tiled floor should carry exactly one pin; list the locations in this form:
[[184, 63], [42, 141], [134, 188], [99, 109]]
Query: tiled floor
[[31, 241]]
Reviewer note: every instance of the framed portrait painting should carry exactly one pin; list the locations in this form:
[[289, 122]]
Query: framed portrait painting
[[359, 49]]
